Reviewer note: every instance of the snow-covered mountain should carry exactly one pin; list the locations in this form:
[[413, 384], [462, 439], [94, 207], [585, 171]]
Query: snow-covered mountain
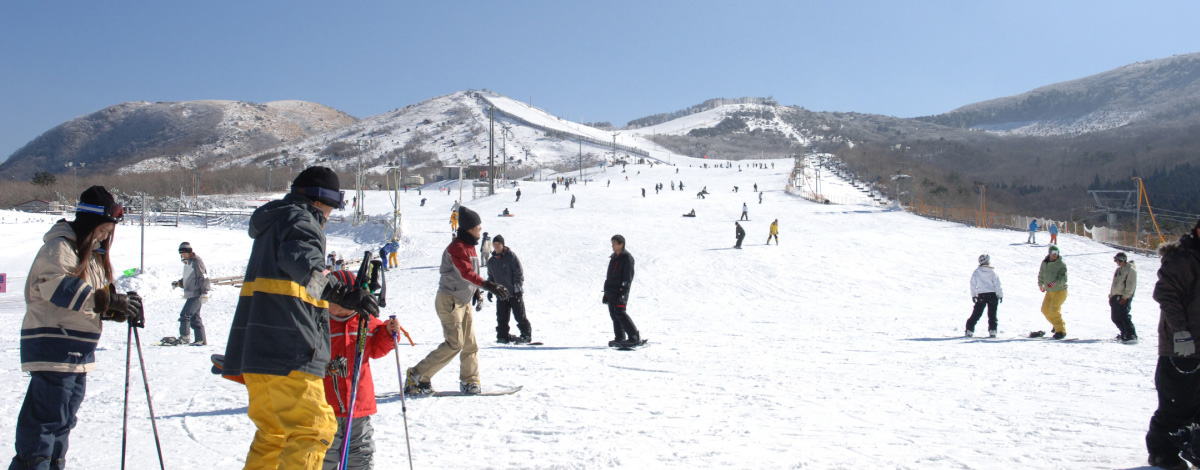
[[146, 137], [1157, 90]]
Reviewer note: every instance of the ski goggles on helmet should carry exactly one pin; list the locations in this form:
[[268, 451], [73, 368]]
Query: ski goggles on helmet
[[337, 199], [114, 212]]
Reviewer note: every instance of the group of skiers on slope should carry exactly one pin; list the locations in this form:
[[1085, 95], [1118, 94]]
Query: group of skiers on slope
[[1052, 280], [1034, 227]]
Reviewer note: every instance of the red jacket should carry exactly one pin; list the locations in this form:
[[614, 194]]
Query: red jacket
[[343, 335]]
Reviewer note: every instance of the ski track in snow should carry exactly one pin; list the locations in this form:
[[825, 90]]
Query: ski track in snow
[[839, 348]]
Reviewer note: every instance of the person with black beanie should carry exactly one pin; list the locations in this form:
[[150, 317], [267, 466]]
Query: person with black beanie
[[68, 292], [458, 288], [505, 269], [279, 341]]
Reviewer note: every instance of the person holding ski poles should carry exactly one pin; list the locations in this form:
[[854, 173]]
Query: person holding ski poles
[[458, 288], [279, 339], [985, 292], [67, 293], [195, 287], [339, 377]]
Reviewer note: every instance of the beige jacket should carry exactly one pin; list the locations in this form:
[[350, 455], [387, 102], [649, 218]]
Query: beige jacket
[[1124, 281], [60, 329]]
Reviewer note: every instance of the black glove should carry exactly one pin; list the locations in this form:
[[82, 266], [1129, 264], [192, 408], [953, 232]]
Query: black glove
[[176, 283], [1000, 300], [499, 290], [477, 298], [604, 299], [125, 307], [356, 299], [975, 300], [489, 296]]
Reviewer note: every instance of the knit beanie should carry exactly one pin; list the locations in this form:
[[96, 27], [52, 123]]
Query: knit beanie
[[499, 239], [86, 222], [467, 219], [185, 247], [322, 177]]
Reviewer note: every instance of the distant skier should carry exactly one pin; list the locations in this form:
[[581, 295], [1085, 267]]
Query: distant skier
[[739, 233], [518, 195], [1033, 227], [339, 378], [458, 288], [1120, 297], [985, 292], [617, 282], [672, 185], [1054, 233], [1052, 279], [454, 221], [485, 249], [643, 192], [572, 201], [553, 187], [681, 185], [195, 287], [745, 212], [422, 202], [393, 250], [690, 214], [760, 198], [756, 187], [774, 233], [735, 189], [1178, 295], [505, 269]]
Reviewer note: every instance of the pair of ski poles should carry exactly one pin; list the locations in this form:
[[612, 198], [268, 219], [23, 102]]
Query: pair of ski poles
[[134, 338], [365, 275]]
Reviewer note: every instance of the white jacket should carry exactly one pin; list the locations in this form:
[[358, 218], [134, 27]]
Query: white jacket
[[985, 280]]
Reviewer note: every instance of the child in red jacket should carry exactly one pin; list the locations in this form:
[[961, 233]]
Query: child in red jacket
[[343, 335]]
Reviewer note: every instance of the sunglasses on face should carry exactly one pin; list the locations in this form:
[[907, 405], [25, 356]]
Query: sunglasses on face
[[114, 211]]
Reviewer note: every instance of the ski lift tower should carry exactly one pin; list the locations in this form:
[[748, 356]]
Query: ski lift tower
[[360, 182], [1114, 202], [395, 178]]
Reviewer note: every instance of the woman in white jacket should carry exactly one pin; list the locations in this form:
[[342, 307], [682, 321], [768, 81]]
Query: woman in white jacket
[[985, 291], [67, 293]]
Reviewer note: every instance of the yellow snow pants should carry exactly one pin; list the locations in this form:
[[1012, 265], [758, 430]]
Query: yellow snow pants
[[1052, 309], [295, 423]]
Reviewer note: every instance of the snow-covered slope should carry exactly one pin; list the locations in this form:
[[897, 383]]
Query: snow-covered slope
[[839, 348]]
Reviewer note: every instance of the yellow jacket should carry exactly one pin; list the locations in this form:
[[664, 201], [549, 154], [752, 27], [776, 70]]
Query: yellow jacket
[[774, 228]]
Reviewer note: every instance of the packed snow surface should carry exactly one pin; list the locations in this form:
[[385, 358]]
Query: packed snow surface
[[841, 347]]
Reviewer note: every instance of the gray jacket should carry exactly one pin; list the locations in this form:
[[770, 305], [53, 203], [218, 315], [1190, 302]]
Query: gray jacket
[[505, 269], [197, 284]]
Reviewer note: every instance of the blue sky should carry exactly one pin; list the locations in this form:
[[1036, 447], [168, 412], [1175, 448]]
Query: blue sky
[[604, 61]]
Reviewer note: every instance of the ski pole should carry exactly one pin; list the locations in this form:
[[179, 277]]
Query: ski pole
[[400, 374], [364, 321], [153, 424], [125, 414]]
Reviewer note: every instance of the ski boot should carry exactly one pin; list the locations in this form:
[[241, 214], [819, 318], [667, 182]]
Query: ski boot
[[414, 386], [470, 388], [616, 342], [524, 339], [1059, 335], [991, 333], [1037, 334], [969, 334]]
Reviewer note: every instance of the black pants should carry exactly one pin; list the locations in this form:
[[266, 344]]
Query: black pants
[[1121, 316], [739, 242], [46, 418], [1177, 381], [516, 305], [989, 300], [623, 326]]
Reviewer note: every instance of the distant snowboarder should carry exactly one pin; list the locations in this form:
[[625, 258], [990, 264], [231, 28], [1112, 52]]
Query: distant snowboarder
[[553, 187], [745, 212], [1033, 227], [760, 198], [739, 233], [195, 287], [1054, 233], [518, 195], [572, 201], [774, 233], [985, 292], [1120, 297], [1052, 279]]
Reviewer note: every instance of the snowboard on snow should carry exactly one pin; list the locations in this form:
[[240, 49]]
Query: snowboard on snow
[[488, 393], [1043, 335], [169, 341], [634, 347]]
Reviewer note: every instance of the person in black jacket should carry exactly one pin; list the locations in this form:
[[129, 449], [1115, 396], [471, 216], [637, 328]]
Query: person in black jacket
[[505, 269], [740, 233], [1175, 376], [616, 294], [279, 340]]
